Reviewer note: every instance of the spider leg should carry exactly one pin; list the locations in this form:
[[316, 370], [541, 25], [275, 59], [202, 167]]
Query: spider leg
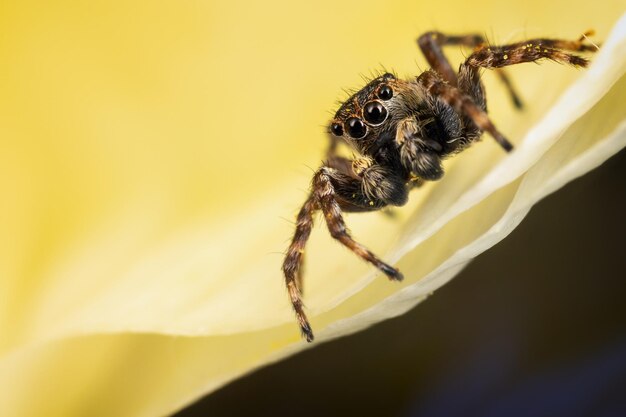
[[462, 104], [530, 51], [300, 274], [327, 197], [333, 189], [432, 43], [293, 262], [341, 164]]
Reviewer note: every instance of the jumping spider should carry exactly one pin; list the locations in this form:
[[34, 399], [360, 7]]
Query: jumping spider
[[402, 130]]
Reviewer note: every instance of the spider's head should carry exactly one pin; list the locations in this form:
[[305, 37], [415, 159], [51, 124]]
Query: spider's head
[[371, 114]]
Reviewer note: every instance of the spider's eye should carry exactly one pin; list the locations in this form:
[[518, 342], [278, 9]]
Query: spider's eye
[[374, 113], [356, 128], [336, 129], [385, 92]]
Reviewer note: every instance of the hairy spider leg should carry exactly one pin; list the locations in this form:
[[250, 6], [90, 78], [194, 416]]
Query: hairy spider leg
[[293, 262], [324, 197], [528, 51], [491, 57], [432, 43]]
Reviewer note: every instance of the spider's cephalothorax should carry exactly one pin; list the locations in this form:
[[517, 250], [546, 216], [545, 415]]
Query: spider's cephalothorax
[[402, 130], [399, 124]]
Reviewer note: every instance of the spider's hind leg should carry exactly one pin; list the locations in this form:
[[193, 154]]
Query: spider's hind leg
[[530, 51], [432, 43]]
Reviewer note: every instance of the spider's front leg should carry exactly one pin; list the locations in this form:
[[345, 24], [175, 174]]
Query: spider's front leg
[[330, 187], [293, 263], [367, 187]]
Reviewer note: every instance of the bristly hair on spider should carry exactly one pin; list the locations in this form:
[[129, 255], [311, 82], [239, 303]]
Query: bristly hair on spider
[[402, 130]]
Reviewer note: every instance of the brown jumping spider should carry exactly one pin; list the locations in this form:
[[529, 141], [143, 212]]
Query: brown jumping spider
[[402, 130]]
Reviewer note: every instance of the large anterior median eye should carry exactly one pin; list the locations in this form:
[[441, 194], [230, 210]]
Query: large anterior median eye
[[374, 113], [356, 128]]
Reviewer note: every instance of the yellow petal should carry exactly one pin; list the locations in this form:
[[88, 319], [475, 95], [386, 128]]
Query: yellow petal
[[149, 153]]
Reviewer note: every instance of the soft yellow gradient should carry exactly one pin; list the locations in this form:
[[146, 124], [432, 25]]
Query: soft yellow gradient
[[150, 153]]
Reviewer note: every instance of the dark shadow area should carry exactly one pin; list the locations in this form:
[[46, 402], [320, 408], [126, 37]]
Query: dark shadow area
[[536, 326]]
